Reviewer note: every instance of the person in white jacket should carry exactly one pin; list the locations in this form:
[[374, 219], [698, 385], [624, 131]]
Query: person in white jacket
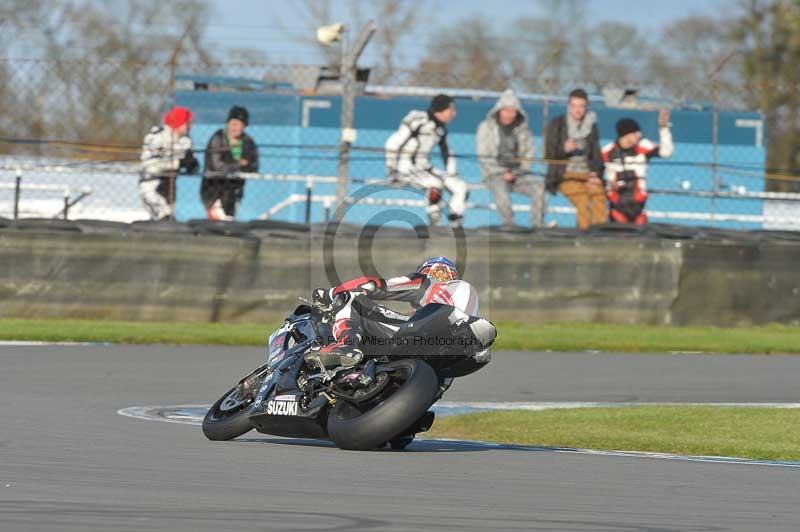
[[408, 159], [166, 150]]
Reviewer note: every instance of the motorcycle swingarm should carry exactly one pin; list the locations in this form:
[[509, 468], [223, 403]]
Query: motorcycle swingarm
[[363, 395]]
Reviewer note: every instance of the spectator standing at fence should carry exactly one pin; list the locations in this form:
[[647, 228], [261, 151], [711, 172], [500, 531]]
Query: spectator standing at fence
[[166, 150], [230, 151], [408, 159], [626, 161], [576, 168], [505, 153]]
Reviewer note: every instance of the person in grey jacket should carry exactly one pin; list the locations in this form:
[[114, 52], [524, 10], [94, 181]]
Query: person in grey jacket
[[505, 154]]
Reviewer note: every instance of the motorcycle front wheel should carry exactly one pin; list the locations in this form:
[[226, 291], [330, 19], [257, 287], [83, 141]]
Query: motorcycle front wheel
[[229, 417]]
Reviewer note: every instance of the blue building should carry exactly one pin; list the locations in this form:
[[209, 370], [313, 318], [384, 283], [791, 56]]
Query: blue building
[[298, 135]]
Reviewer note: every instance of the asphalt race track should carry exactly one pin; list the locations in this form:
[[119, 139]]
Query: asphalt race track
[[69, 462]]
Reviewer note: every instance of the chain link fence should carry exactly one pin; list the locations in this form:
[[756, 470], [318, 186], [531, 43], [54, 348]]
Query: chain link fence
[[71, 137]]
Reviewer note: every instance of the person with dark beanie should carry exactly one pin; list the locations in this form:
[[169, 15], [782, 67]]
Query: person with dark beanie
[[576, 168], [408, 159], [626, 161], [229, 151]]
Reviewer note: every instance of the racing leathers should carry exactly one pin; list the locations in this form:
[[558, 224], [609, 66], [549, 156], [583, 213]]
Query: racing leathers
[[164, 154], [408, 152], [357, 316]]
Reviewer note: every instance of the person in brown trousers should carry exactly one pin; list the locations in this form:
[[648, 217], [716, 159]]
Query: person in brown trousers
[[576, 168]]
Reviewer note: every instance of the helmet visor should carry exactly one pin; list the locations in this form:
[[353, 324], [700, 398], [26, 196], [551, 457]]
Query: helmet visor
[[441, 273]]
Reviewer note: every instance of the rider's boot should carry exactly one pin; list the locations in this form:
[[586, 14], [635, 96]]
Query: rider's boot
[[333, 358]]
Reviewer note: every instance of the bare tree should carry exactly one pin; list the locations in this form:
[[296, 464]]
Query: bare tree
[[22, 116], [102, 73], [769, 35], [550, 51], [616, 54], [690, 52], [312, 14], [468, 55], [395, 24]]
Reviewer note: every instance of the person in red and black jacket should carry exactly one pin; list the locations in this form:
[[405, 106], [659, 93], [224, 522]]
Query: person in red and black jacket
[[626, 162]]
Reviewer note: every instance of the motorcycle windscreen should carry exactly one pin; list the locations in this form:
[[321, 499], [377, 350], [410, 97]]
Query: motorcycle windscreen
[[277, 345], [294, 335]]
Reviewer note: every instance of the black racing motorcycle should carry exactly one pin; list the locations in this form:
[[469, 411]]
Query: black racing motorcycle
[[384, 399]]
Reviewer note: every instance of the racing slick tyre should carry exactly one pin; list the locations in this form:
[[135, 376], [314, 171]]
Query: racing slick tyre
[[228, 418], [413, 389]]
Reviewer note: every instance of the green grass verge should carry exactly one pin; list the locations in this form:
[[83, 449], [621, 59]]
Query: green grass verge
[[757, 433], [512, 335], [128, 332], [773, 338]]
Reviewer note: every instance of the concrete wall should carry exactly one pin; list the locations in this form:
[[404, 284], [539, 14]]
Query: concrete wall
[[185, 276]]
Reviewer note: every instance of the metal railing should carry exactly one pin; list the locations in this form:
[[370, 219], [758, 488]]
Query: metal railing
[[70, 195], [73, 195]]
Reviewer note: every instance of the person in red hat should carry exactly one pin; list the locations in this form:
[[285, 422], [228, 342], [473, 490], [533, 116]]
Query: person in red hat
[[166, 150]]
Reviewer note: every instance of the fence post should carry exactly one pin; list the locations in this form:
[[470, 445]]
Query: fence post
[[173, 72], [326, 204], [714, 152], [715, 133], [17, 191], [309, 189], [346, 118], [347, 72]]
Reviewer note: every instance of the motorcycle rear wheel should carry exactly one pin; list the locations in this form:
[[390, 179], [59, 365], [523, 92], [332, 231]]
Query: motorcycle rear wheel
[[364, 427]]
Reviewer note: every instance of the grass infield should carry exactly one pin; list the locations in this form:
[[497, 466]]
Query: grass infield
[[751, 432], [512, 335]]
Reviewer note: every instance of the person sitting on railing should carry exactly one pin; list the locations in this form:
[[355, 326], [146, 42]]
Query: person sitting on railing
[[166, 150], [408, 152], [626, 162], [229, 151], [505, 154]]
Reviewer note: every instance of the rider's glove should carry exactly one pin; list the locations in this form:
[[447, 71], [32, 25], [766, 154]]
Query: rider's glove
[[328, 301], [323, 298]]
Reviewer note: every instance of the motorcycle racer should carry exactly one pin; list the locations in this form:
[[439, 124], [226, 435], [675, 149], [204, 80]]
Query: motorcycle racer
[[356, 315]]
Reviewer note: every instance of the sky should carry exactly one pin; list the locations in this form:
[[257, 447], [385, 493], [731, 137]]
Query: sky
[[263, 24]]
